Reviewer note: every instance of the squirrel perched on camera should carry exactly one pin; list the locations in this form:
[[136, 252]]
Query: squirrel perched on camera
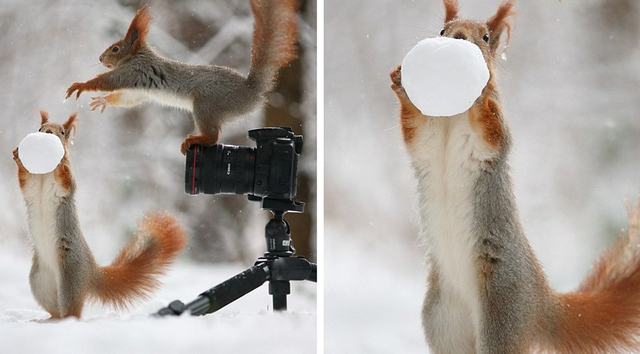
[[487, 292], [213, 94], [64, 273]]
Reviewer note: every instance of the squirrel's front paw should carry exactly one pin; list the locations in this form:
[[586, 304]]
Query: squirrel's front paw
[[16, 157], [99, 103], [396, 79], [76, 86]]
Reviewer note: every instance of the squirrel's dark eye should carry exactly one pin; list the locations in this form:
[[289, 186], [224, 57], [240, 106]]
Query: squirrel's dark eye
[[486, 37], [115, 49], [442, 32], [62, 132]]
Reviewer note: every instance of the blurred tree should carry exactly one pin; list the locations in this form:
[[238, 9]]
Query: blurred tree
[[617, 29]]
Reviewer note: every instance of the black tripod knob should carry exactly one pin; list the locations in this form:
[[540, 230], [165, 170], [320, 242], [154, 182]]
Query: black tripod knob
[[278, 235]]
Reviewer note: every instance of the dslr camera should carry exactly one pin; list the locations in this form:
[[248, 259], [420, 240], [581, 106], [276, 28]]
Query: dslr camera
[[267, 171]]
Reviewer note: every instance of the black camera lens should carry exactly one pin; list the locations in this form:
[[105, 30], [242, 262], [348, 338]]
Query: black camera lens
[[219, 169], [266, 172]]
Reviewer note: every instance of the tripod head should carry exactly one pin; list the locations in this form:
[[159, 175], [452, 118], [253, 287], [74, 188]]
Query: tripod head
[[277, 232]]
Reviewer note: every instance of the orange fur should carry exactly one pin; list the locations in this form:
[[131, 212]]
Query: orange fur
[[95, 84], [133, 274], [498, 22], [44, 117], [486, 119], [261, 34], [410, 116], [23, 174], [275, 35], [199, 140], [62, 174], [138, 29], [410, 119], [451, 10], [70, 125]]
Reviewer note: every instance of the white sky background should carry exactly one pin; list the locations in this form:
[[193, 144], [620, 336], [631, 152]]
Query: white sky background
[[571, 89]]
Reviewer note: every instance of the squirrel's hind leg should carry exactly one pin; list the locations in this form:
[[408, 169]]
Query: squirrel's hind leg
[[72, 293], [44, 287], [208, 123], [447, 320]]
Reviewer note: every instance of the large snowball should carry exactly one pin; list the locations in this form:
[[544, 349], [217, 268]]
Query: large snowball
[[444, 76], [40, 152]]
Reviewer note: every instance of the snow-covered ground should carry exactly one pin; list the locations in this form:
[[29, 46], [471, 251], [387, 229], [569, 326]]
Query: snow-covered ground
[[245, 326], [373, 295]]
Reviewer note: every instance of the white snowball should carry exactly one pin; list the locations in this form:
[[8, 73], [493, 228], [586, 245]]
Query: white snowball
[[40, 153], [444, 76]]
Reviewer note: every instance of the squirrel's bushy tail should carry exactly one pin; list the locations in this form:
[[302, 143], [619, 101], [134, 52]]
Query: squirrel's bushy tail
[[275, 36], [603, 315], [134, 273]]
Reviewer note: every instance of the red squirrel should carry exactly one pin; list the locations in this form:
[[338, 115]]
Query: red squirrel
[[64, 273], [213, 94], [487, 293]]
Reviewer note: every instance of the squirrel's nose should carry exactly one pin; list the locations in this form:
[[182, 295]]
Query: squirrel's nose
[[460, 35]]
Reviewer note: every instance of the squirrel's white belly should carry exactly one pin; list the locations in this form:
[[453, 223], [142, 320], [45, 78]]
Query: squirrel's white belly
[[42, 199], [447, 156], [171, 100]]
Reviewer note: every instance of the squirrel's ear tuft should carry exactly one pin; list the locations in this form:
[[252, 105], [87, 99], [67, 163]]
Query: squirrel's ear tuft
[[498, 22], [44, 116], [70, 125], [138, 29], [450, 10]]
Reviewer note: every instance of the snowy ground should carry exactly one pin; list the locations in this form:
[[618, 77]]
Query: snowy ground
[[373, 294], [245, 326]]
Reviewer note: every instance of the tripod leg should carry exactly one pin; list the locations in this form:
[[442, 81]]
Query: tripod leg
[[222, 294], [230, 290], [279, 289]]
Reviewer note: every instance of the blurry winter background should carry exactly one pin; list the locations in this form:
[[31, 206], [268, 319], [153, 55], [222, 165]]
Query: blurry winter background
[[127, 161], [571, 89]]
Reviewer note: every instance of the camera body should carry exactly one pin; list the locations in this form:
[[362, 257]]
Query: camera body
[[267, 171]]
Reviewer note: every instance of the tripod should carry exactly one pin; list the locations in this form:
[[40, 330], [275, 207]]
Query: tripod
[[277, 266]]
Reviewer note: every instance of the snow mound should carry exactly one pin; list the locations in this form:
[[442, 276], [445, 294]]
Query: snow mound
[[40, 153], [443, 76]]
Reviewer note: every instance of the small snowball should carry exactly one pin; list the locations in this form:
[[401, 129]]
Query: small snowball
[[40, 153], [444, 76]]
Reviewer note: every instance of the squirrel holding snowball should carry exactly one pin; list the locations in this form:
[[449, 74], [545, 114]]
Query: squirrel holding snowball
[[64, 273], [214, 94], [487, 293]]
